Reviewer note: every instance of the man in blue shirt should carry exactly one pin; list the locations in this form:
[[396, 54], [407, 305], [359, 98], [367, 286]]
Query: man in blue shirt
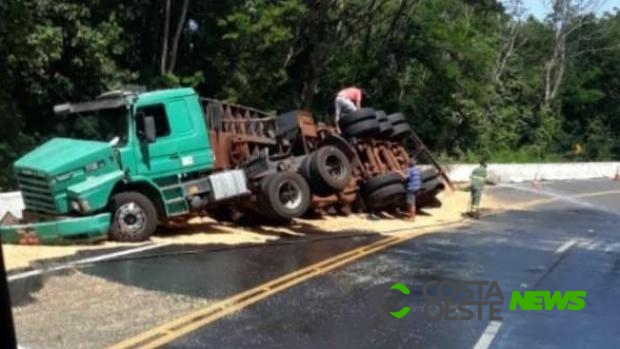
[[413, 185]]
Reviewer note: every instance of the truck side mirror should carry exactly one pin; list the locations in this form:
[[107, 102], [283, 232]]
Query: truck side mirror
[[150, 132]]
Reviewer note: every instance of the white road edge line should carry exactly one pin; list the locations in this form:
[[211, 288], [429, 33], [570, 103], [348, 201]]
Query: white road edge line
[[567, 245], [488, 335], [69, 265]]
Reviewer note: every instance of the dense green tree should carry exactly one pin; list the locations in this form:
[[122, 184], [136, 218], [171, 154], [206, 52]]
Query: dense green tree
[[473, 77]]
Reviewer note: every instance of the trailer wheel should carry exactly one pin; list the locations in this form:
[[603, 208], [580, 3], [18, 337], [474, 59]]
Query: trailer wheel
[[400, 130], [364, 128], [356, 116], [330, 168], [428, 175], [396, 118], [386, 196], [134, 217], [286, 194], [385, 127], [381, 181]]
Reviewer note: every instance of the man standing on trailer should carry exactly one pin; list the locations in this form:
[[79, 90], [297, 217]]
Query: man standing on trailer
[[347, 100]]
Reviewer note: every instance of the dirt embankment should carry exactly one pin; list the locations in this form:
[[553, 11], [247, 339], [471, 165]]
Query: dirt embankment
[[203, 231]]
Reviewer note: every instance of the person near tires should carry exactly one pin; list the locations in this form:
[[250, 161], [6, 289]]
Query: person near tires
[[347, 100], [478, 179], [414, 182]]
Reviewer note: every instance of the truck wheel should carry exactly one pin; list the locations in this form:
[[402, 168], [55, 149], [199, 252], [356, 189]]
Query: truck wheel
[[364, 128], [330, 168], [304, 167], [386, 196], [134, 217], [381, 181], [356, 116], [286, 194]]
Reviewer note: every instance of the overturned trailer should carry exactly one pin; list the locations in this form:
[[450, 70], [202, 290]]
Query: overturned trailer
[[362, 167]]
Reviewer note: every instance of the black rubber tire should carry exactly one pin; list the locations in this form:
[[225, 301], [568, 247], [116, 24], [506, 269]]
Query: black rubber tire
[[397, 118], [381, 116], [386, 196], [304, 167], [385, 127], [433, 185], [317, 187], [381, 181], [385, 130], [271, 195], [356, 116], [428, 175], [365, 128], [399, 131], [145, 208], [427, 196], [326, 161]]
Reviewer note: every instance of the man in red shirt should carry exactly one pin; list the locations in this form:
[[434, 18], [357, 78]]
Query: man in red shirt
[[347, 101]]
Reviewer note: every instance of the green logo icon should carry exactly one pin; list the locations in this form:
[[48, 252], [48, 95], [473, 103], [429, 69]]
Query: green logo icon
[[404, 311]]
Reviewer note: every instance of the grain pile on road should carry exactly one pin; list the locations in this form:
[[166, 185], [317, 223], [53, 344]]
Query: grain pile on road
[[203, 231]]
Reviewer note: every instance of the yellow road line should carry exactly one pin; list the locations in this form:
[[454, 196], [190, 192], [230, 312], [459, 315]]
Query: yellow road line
[[183, 325]]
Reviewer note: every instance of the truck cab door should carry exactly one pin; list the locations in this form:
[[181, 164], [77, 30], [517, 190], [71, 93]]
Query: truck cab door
[[158, 155], [179, 146]]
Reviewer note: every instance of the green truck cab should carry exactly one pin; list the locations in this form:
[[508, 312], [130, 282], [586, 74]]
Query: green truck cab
[[129, 162]]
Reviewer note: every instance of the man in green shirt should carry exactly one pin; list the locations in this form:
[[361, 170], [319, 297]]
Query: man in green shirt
[[478, 179]]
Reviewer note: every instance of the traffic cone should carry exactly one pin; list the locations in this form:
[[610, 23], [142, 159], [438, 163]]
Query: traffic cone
[[536, 183], [617, 176]]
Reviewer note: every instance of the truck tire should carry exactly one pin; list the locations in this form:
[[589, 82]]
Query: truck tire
[[399, 131], [381, 181], [330, 168], [364, 128], [317, 186], [304, 167], [433, 185], [386, 196], [356, 116], [134, 217], [385, 127], [396, 118], [286, 195], [428, 175]]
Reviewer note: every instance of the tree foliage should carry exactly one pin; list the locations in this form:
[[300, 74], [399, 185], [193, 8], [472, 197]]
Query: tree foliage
[[474, 77]]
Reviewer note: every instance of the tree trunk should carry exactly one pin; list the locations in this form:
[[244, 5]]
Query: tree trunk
[[164, 50], [177, 37]]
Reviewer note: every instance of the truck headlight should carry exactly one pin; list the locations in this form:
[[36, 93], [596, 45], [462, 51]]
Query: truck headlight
[[84, 205], [75, 205], [94, 166]]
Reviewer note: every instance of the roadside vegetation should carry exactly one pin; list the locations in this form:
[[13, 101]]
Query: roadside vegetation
[[473, 77]]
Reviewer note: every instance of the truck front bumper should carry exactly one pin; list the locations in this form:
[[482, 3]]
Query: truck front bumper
[[90, 228]]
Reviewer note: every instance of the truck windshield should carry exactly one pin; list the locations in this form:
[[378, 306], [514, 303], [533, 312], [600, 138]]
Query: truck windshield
[[108, 125]]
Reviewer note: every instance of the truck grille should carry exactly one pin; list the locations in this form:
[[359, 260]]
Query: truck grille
[[36, 192]]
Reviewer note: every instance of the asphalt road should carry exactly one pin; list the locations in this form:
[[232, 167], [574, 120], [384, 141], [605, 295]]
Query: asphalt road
[[569, 241]]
